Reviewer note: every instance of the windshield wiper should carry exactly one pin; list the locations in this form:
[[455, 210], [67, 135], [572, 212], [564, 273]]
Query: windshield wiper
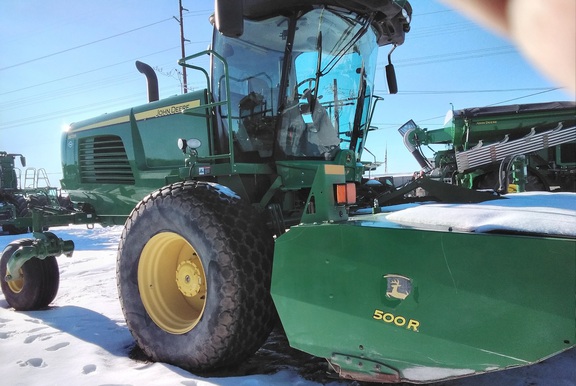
[[336, 57], [356, 129], [318, 71]]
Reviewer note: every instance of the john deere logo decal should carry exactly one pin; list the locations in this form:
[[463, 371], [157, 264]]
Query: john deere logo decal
[[398, 287]]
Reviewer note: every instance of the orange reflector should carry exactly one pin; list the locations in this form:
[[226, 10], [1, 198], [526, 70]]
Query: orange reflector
[[345, 193]]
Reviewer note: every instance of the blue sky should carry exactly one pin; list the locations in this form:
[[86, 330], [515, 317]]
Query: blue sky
[[64, 61]]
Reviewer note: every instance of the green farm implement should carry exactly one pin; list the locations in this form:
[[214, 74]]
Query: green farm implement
[[506, 148], [29, 203]]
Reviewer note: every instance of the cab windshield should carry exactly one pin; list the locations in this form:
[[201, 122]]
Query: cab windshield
[[300, 86]]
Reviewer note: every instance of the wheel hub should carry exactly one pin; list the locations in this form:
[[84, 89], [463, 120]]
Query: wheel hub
[[16, 285], [172, 283], [188, 278]]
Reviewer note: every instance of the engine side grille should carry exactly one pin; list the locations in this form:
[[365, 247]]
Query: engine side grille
[[103, 160]]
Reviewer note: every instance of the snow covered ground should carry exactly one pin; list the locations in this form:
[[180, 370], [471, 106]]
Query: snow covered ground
[[82, 339]]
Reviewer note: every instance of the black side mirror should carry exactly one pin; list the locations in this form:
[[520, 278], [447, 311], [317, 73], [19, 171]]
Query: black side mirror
[[391, 74], [229, 17], [391, 78]]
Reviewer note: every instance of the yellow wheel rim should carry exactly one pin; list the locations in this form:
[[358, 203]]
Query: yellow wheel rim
[[172, 283], [17, 285]]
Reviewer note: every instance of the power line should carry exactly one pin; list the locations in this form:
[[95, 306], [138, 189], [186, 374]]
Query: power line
[[526, 96], [86, 72], [501, 102], [432, 13], [205, 12], [83, 45], [436, 30], [442, 92], [98, 69], [75, 109], [453, 56]]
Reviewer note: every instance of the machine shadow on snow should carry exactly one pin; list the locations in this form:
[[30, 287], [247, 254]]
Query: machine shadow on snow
[[87, 325]]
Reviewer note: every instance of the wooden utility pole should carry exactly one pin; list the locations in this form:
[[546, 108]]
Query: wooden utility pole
[[182, 40], [386, 159]]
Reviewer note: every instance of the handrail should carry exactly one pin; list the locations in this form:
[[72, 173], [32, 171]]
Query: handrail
[[226, 101]]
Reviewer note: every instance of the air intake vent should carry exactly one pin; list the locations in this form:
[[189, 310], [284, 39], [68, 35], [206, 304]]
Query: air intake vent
[[103, 160]]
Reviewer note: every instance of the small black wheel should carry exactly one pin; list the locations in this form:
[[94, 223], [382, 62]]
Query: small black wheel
[[194, 270], [38, 200], [39, 283]]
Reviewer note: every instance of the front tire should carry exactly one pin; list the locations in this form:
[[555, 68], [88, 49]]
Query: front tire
[[193, 271], [39, 283]]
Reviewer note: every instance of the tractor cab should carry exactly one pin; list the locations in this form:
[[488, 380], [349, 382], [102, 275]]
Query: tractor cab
[[300, 86], [291, 88]]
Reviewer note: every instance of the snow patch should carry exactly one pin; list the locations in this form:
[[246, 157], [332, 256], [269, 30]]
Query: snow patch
[[422, 373], [225, 190], [540, 213]]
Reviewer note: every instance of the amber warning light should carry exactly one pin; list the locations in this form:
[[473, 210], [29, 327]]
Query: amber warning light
[[346, 193]]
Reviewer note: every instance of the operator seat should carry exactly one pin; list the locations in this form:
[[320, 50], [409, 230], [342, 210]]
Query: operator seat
[[322, 137], [255, 128], [291, 130], [305, 134]]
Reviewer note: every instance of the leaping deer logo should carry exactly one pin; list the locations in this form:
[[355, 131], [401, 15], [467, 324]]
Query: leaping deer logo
[[398, 287]]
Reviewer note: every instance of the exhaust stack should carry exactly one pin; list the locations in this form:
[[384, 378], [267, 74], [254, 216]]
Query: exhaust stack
[[151, 80]]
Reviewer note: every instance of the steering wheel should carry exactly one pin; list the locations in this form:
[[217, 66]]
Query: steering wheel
[[302, 82]]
